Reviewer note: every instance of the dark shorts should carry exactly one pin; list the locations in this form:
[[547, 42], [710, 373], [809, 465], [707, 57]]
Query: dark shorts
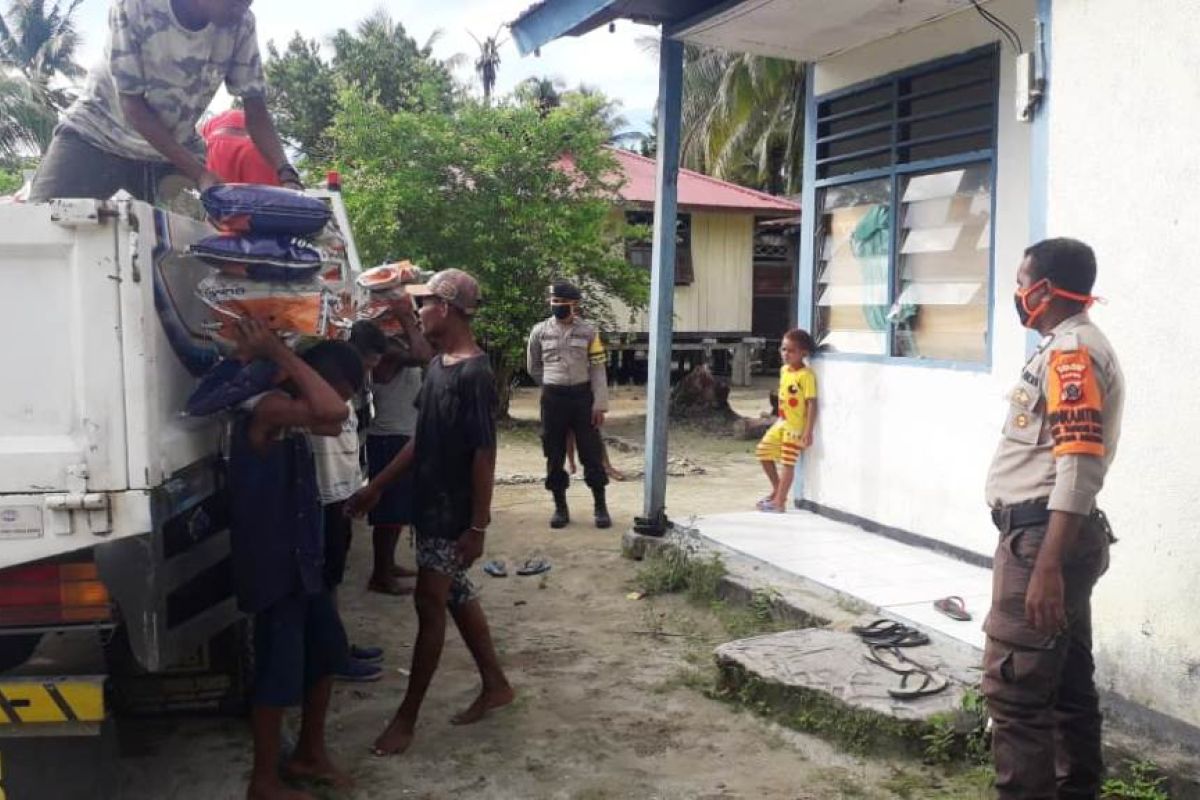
[[338, 530], [297, 641], [74, 167], [438, 555], [395, 505]]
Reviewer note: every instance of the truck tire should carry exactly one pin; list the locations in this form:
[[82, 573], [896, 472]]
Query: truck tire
[[229, 655], [16, 650]]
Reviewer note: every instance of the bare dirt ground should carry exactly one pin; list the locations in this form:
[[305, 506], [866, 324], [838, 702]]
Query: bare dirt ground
[[606, 708]]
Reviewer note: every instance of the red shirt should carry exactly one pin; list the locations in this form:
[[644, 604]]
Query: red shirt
[[232, 156]]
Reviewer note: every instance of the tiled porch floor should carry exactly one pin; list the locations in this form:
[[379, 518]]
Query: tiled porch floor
[[902, 580]]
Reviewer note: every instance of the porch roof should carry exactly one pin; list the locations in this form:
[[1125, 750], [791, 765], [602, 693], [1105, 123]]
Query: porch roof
[[800, 30]]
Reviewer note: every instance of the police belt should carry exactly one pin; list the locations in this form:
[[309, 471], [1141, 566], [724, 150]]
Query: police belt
[[1037, 512], [577, 390]]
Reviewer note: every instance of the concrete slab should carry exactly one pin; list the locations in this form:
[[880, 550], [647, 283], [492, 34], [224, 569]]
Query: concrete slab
[[818, 680], [885, 576]]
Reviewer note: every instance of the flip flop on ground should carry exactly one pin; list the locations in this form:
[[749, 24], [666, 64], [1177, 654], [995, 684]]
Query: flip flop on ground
[[931, 683], [534, 566], [891, 659], [497, 569], [954, 608]]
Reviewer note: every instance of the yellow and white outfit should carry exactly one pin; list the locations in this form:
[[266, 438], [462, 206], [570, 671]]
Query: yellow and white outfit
[[782, 441]]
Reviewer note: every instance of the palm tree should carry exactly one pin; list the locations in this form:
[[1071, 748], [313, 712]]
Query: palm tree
[[544, 94], [26, 123], [488, 64], [39, 39], [742, 117]]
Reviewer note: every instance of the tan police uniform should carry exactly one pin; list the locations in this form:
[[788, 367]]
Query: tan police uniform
[[1060, 435], [569, 361]]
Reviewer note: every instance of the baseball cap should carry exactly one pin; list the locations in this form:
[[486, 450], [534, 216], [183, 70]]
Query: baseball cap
[[452, 285]]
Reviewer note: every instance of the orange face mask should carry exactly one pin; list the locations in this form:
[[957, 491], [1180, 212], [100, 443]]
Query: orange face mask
[[1029, 316]]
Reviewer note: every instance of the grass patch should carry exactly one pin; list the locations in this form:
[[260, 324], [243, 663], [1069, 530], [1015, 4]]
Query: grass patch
[[672, 570], [960, 738], [812, 712], [1141, 781]]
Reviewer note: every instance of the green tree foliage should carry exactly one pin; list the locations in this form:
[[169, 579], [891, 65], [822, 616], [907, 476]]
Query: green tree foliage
[[742, 118], [38, 42], [302, 91], [26, 120], [514, 197], [10, 181], [378, 58]]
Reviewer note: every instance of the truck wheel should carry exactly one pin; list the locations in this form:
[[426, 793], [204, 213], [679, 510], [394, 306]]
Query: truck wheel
[[16, 650]]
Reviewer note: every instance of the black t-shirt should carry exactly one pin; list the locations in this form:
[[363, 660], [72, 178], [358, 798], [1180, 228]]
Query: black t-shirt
[[455, 418]]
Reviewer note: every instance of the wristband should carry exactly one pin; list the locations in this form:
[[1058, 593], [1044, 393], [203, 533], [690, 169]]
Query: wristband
[[477, 529]]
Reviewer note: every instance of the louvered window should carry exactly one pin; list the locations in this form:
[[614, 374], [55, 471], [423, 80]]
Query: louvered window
[[903, 238]]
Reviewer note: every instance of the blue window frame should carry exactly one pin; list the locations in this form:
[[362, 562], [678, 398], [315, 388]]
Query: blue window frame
[[904, 173]]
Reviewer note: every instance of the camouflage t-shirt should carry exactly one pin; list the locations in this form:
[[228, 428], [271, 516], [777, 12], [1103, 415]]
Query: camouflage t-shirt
[[178, 71]]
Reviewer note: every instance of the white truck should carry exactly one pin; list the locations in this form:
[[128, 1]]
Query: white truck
[[113, 522]]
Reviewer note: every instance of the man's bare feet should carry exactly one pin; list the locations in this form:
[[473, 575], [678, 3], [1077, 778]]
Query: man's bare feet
[[390, 586], [271, 788], [487, 701], [395, 739], [319, 769]]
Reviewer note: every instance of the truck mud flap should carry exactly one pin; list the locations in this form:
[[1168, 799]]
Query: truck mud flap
[[56, 739], [174, 586], [49, 701]]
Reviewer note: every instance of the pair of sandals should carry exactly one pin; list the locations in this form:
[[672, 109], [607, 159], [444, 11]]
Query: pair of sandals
[[767, 505], [889, 633], [532, 566], [885, 640]]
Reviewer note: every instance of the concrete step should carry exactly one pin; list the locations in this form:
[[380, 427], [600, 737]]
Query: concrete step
[[819, 680]]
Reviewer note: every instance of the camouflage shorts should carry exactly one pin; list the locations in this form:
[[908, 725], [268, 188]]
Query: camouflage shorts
[[439, 556]]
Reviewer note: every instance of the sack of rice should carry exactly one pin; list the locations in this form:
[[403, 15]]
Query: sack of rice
[[294, 308]]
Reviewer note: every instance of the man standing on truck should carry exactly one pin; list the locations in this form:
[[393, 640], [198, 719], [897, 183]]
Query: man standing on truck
[[135, 122], [278, 550]]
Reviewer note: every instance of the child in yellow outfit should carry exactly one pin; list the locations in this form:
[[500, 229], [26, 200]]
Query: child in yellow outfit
[[792, 432]]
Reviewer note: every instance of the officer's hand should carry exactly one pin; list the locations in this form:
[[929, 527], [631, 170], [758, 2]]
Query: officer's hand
[[1045, 601], [597, 419], [806, 441]]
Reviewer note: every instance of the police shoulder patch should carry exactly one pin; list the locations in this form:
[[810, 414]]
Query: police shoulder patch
[[1074, 403]]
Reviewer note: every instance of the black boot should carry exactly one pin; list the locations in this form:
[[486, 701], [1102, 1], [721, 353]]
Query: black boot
[[562, 514], [603, 520]]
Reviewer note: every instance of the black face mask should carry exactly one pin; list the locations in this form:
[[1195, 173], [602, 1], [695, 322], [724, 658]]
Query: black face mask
[[1022, 312], [560, 311]]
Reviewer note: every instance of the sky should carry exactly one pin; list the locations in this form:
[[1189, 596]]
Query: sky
[[612, 62]]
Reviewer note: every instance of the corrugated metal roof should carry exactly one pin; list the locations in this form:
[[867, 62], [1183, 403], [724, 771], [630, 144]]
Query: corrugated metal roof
[[696, 190]]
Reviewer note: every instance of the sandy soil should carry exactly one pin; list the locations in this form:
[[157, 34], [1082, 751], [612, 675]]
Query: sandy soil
[[603, 710]]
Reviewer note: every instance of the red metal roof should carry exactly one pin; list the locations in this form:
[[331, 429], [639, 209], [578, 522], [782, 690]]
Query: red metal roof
[[696, 190]]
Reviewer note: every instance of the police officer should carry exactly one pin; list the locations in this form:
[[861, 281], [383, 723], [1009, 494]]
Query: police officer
[[565, 355], [1060, 436]]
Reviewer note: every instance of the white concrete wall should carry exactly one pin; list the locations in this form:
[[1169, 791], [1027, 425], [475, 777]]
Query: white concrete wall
[[1125, 177], [909, 446]]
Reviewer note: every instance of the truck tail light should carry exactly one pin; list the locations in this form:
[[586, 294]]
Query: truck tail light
[[53, 594]]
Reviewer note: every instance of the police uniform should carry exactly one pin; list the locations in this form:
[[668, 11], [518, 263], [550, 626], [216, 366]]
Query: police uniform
[[568, 360], [1060, 435]]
